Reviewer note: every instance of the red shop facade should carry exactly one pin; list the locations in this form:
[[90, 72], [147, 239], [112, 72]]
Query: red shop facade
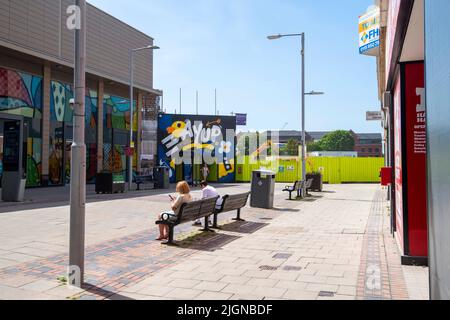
[[410, 223], [406, 108]]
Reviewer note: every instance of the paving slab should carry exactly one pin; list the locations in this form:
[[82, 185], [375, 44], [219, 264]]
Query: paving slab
[[298, 250]]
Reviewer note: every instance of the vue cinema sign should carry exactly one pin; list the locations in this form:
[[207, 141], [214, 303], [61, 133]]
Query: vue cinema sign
[[369, 32]]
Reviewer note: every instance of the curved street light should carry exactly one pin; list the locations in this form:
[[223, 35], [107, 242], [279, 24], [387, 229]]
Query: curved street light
[[312, 93]]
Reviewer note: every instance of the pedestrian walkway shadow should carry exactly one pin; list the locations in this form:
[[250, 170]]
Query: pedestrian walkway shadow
[[247, 227], [308, 198], [206, 241], [93, 292], [286, 210]]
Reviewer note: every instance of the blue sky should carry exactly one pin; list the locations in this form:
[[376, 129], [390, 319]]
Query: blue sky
[[208, 44]]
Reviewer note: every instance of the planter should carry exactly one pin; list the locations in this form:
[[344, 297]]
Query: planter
[[317, 184], [109, 183]]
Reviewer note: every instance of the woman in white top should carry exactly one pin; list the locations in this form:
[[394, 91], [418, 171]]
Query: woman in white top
[[184, 196]]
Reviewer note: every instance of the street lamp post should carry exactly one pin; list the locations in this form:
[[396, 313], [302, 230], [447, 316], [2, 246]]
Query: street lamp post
[[130, 161], [78, 163], [302, 35]]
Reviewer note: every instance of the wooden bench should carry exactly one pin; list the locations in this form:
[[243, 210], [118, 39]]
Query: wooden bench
[[231, 203], [144, 180], [297, 187], [189, 212]]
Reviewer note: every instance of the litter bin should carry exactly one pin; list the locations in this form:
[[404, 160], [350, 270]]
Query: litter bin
[[13, 189], [108, 183], [161, 177], [263, 189]]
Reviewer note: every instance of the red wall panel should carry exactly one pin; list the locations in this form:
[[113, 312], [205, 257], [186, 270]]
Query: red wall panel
[[398, 163], [416, 154]]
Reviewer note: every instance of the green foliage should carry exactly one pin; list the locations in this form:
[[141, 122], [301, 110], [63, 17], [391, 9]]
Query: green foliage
[[291, 148], [338, 141], [314, 146]]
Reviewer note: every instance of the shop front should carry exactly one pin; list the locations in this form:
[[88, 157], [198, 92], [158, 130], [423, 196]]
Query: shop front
[[401, 77], [21, 96], [410, 163]]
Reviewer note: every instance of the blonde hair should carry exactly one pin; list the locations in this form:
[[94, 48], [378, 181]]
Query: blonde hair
[[183, 188]]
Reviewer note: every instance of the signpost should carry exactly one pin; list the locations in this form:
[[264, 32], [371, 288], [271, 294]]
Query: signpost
[[241, 119], [374, 116]]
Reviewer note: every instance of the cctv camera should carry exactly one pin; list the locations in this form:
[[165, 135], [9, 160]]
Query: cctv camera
[[72, 102]]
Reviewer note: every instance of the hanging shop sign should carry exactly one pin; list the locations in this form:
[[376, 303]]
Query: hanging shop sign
[[241, 119], [374, 116], [369, 33]]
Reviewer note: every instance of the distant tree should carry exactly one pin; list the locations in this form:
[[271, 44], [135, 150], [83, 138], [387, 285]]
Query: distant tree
[[291, 148], [338, 141], [314, 146]]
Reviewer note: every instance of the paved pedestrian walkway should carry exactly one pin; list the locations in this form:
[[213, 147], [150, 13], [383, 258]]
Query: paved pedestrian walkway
[[333, 245]]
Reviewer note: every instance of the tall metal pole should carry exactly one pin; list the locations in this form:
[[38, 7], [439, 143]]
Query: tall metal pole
[[303, 117], [130, 160], [215, 102], [78, 163], [196, 102], [180, 100]]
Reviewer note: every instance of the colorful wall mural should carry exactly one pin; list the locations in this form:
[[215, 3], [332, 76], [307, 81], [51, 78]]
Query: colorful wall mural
[[116, 134], [61, 119], [21, 94], [184, 140]]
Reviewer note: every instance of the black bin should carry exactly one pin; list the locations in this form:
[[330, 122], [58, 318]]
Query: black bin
[[105, 183], [161, 177], [263, 189]]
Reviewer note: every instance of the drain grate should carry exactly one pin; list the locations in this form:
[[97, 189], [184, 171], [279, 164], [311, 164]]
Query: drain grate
[[292, 268], [326, 294], [268, 268], [283, 256]]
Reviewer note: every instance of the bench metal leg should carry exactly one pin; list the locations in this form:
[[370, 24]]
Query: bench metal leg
[[170, 242], [215, 222], [238, 218], [206, 228]]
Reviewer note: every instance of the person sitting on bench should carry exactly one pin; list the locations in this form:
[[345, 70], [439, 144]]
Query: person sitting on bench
[[209, 192], [184, 196]]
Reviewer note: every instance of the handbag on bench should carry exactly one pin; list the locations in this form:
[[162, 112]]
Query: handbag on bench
[[169, 216]]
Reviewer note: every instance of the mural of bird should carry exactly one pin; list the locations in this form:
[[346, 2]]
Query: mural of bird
[[177, 129]]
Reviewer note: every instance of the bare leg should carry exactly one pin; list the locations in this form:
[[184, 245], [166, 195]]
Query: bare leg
[[161, 228], [166, 232]]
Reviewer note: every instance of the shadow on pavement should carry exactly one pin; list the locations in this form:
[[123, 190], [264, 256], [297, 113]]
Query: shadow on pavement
[[102, 292], [206, 241], [286, 209], [243, 227]]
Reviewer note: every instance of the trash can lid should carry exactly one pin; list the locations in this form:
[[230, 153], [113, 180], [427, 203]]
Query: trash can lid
[[262, 171]]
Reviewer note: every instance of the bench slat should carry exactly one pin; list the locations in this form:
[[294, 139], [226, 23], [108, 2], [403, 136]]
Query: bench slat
[[197, 210], [235, 202]]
